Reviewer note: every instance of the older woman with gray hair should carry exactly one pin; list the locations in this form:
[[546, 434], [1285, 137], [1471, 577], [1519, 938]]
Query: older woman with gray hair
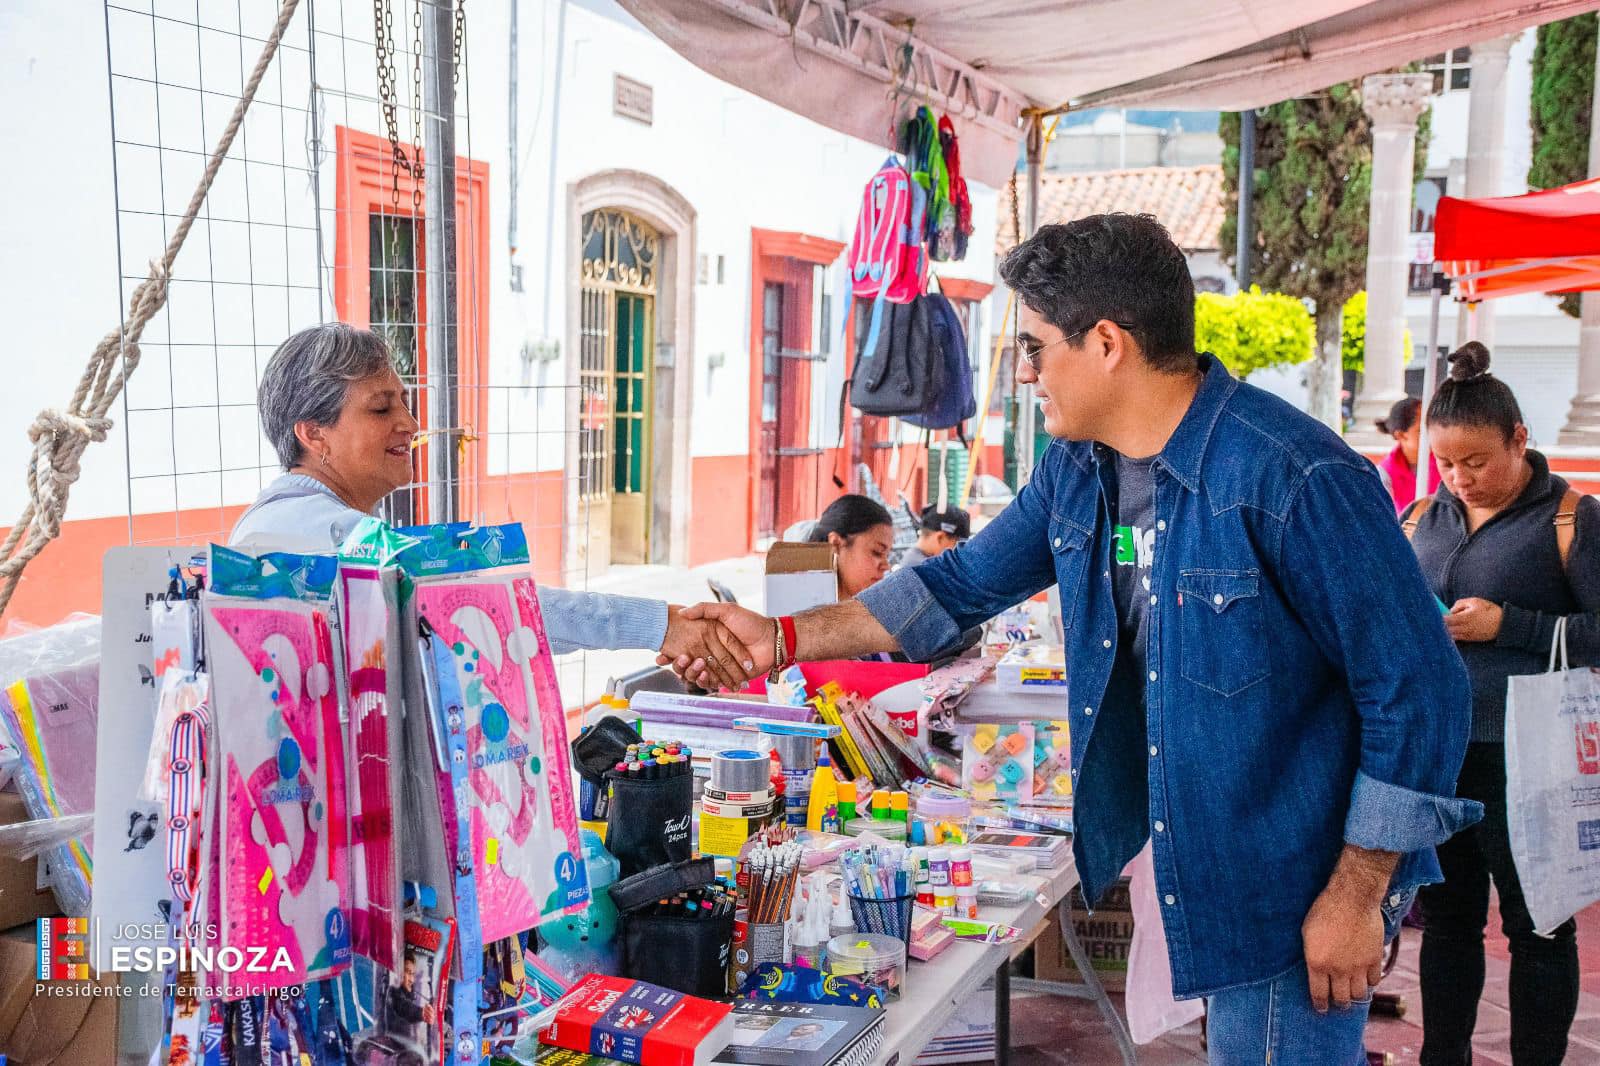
[[334, 410]]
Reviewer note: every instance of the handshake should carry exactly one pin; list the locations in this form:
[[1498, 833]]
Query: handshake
[[718, 645]]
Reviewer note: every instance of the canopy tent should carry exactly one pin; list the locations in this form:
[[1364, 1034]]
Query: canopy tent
[[1545, 241], [853, 65]]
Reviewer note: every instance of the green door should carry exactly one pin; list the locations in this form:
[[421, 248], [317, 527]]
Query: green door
[[630, 501]]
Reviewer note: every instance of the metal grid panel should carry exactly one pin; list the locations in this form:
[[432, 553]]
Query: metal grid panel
[[266, 258]]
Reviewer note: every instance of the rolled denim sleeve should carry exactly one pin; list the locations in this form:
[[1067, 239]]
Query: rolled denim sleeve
[[927, 607], [592, 621], [1376, 620]]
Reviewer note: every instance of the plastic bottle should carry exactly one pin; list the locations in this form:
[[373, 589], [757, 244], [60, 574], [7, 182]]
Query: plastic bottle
[[822, 809], [847, 802], [961, 868], [841, 921]]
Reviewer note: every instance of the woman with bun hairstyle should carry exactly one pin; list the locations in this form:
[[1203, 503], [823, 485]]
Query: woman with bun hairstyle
[[1399, 468], [1498, 545]]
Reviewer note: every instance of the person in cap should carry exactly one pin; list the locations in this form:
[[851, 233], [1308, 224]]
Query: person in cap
[[937, 532]]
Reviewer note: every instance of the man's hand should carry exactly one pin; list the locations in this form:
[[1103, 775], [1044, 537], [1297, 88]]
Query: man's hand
[[743, 627], [1343, 933], [708, 651], [1473, 620]]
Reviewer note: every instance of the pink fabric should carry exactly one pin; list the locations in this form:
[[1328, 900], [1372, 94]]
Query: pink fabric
[[1403, 479]]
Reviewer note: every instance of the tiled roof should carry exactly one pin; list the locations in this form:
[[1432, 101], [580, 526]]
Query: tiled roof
[[1187, 200]]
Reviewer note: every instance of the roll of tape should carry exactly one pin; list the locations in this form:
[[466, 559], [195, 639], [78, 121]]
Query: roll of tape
[[736, 810], [718, 795], [739, 770]]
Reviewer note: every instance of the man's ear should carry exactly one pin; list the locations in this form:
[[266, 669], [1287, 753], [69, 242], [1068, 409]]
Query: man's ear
[[1118, 345]]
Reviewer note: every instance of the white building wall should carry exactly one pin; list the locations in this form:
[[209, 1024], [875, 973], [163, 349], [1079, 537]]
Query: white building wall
[[1536, 345], [738, 160]]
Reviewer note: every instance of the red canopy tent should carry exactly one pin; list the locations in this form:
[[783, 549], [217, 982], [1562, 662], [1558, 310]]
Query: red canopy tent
[[1545, 241]]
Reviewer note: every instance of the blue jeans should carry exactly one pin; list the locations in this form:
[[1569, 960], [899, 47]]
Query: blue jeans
[[1273, 1023]]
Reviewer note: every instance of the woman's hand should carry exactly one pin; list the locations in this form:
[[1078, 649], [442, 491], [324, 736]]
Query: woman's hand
[[711, 655], [1473, 621]]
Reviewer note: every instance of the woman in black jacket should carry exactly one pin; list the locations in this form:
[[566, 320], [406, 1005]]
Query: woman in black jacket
[[1499, 548]]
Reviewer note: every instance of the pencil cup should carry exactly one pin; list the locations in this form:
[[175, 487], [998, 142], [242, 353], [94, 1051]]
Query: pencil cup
[[887, 917], [755, 944]]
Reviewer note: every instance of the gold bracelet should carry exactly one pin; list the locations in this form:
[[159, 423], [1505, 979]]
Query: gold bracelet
[[778, 652]]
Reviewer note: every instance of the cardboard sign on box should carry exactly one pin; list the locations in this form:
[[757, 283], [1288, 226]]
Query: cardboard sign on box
[[1105, 935], [799, 576]]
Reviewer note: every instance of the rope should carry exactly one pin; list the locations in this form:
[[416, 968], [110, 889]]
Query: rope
[[60, 437]]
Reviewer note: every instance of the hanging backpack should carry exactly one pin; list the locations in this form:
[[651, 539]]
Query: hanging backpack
[[958, 186], [902, 372], [925, 159], [954, 403], [886, 264]]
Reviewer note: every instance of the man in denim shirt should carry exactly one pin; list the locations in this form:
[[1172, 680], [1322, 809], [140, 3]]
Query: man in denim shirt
[[1288, 734]]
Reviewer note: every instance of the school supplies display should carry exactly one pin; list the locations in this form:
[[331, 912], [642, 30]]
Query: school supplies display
[[874, 958], [280, 764], [767, 1033], [488, 637], [1048, 851], [637, 1022], [370, 624], [997, 762], [1029, 667], [770, 873]]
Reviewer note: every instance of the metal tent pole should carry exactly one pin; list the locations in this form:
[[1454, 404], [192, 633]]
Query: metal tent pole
[[1430, 379], [439, 236], [1247, 188], [1026, 411]]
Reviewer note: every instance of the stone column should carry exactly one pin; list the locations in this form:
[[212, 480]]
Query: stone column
[[1486, 149], [1583, 420], [1393, 101]]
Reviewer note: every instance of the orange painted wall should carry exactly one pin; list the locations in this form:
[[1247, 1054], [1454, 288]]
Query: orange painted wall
[[719, 519]]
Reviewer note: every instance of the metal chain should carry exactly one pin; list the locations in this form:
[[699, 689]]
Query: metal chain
[[383, 32], [416, 102], [461, 34]]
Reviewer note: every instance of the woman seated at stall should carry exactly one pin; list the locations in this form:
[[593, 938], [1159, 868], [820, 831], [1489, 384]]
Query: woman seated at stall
[[861, 534], [334, 410]]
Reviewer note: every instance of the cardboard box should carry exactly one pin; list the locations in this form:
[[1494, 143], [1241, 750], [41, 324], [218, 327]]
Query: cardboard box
[[42, 1030], [21, 898], [1106, 937], [800, 576]]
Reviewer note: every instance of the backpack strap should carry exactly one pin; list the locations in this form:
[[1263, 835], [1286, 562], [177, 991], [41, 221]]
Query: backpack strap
[[1418, 509], [1566, 523]]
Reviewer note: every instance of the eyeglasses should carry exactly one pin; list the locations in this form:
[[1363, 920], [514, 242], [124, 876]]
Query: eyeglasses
[[1030, 351]]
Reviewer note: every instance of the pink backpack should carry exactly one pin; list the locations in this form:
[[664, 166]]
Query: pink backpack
[[886, 260]]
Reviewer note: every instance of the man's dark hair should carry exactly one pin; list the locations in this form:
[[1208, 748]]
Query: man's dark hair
[[1120, 267]]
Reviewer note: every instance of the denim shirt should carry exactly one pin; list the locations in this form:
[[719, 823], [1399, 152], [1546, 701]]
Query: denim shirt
[[300, 513], [1301, 692]]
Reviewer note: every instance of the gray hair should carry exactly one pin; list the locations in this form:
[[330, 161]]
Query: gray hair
[[308, 377]]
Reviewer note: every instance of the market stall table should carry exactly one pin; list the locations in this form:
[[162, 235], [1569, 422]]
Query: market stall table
[[935, 990]]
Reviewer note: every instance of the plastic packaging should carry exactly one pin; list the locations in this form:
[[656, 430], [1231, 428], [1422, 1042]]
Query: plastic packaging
[[877, 960], [882, 827], [49, 711], [966, 905]]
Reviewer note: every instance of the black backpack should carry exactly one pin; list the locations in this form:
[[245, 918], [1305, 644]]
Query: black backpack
[[904, 374]]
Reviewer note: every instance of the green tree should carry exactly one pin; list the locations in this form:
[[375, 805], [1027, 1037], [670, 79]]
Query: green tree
[[1313, 178], [1253, 330], [1561, 106], [1353, 336]]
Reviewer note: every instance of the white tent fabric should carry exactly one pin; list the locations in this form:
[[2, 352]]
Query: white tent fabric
[[845, 63]]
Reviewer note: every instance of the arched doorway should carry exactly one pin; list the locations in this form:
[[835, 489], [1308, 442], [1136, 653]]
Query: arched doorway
[[630, 332]]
